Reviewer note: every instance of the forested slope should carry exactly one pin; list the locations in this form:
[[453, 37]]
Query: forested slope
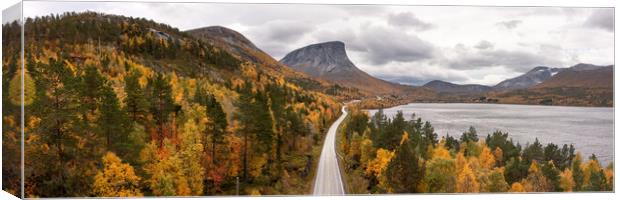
[[120, 106]]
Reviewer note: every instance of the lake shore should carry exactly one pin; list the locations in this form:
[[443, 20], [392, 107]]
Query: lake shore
[[590, 129]]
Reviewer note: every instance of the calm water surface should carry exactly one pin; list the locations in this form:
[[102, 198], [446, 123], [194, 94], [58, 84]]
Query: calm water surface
[[591, 130]]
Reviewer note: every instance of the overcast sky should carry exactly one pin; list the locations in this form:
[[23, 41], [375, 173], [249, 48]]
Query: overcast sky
[[405, 44]]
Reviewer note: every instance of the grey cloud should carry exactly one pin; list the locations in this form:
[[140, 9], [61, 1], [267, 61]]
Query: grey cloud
[[284, 31], [519, 61], [363, 10], [511, 24], [482, 45], [418, 80], [384, 45], [407, 80], [276, 36], [601, 18], [408, 19]]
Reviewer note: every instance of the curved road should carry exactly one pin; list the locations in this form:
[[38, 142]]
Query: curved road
[[328, 180]]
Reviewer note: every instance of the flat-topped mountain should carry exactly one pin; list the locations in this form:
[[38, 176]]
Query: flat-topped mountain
[[329, 61]]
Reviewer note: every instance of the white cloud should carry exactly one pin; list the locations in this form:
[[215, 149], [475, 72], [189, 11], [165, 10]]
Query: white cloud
[[409, 44]]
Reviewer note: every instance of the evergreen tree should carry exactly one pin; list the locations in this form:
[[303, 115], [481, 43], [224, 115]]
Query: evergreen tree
[[92, 89], [553, 175], [470, 135], [577, 173], [136, 104], [113, 121], [533, 152], [58, 129], [405, 172], [162, 105], [451, 143]]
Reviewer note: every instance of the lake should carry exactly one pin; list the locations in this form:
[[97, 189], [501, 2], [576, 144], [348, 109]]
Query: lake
[[590, 130]]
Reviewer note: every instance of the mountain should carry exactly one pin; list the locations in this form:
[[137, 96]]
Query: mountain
[[158, 85], [225, 37], [581, 76], [237, 44], [579, 85], [535, 76], [447, 87], [586, 67], [329, 61]]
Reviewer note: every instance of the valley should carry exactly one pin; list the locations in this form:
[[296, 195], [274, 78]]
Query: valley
[[119, 106]]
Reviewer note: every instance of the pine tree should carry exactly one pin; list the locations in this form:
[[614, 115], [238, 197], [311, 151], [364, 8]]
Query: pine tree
[[218, 123], [162, 105], [534, 152], [136, 104], [244, 115], [578, 176], [91, 92], [58, 105], [553, 175], [113, 121], [470, 135], [405, 172]]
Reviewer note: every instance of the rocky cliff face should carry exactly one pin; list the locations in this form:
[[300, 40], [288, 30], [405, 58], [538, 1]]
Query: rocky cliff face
[[329, 61], [320, 59]]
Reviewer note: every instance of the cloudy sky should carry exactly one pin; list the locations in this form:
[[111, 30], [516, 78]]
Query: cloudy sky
[[406, 44]]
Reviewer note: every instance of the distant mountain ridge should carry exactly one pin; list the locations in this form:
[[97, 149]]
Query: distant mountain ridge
[[581, 76], [535, 76], [447, 87], [329, 61]]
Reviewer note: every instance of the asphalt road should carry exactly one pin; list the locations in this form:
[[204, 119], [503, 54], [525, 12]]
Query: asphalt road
[[328, 180]]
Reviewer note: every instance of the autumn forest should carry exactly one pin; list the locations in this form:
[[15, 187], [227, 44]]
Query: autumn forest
[[118, 106]]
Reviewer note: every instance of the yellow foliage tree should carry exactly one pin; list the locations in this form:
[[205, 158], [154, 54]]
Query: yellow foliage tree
[[592, 166], [461, 161], [535, 180], [378, 165], [609, 175], [441, 152], [486, 158], [116, 179], [163, 167], [566, 180], [15, 89], [366, 151], [190, 154], [516, 187], [466, 181]]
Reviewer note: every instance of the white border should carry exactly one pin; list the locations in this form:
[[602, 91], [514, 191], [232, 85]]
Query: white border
[[566, 3]]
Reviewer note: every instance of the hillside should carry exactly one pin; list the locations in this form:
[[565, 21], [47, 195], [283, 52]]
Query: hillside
[[579, 85], [113, 92], [447, 87], [576, 76], [329, 61], [535, 76], [239, 45]]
